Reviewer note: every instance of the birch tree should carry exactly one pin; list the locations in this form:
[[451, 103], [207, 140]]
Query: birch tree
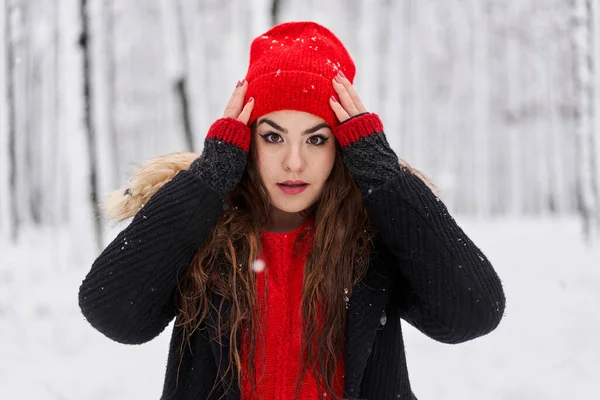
[[9, 222], [587, 191]]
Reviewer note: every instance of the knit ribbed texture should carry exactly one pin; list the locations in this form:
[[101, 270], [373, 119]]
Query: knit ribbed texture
[[128, 293], [424, 269], [453, 281], [387, 375], [366, 308], [457, 294], [231, 131], [225, 149], [279, 352], [291, 67], [357, 127], [447, 287], [366, 152]]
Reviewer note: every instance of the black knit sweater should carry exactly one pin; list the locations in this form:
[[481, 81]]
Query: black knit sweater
[[424, 268]]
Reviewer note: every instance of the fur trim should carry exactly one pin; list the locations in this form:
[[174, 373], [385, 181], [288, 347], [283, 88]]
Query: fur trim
[[153, 174], [421, 176]]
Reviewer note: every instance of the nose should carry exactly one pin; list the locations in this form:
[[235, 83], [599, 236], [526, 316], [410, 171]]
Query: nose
[[294, 160]]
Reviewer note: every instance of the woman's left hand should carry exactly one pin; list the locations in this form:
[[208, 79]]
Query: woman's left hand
[[349, 104]]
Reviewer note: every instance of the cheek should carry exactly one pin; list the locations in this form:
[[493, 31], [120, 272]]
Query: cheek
[[264, 162], [328, 161]]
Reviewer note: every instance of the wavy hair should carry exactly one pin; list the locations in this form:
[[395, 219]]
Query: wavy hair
[[338, 259]]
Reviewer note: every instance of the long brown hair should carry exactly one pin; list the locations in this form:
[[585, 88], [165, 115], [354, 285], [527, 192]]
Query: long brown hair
[[341, 222], [338, 259]]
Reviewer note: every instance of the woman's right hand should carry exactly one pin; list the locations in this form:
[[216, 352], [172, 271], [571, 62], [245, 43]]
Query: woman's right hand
[[235, 108], [227, 144]]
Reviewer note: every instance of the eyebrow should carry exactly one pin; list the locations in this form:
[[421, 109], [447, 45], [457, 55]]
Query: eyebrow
[[306, 132]]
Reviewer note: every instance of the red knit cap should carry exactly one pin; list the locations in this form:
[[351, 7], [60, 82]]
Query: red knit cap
[[291, 68]]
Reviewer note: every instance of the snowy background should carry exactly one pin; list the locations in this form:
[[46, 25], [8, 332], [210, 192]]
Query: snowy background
[[495, 100]]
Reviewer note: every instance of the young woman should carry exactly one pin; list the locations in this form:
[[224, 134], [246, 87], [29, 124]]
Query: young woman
[[290, 249]]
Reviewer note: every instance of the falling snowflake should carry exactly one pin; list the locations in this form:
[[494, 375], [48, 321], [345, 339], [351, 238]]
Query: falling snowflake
[[346, 299], [258, 265]]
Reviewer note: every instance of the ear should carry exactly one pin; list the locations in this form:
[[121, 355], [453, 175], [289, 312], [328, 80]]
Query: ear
[[150, 177]]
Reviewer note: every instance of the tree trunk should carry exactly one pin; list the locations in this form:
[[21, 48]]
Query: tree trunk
[[84, 42], [582, 18]]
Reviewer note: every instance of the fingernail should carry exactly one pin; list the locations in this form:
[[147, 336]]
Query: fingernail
[[242, 82], [251, 99], [341, 73], [333, 98], [238, 84], [338, 79]]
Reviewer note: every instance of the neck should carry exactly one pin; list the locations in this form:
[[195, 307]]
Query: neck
[[281, 221]]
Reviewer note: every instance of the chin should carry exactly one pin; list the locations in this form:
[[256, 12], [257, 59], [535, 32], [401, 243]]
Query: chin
[[292, 204]]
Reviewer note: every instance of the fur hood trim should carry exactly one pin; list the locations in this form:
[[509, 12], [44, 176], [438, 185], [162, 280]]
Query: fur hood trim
[[151, 175]]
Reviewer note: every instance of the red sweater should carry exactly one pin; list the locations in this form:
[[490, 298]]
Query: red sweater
[[282, 314]]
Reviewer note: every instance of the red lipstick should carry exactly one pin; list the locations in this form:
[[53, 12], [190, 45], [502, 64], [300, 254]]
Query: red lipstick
[[292, 187]]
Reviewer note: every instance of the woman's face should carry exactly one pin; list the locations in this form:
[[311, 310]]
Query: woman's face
[[294, 146]]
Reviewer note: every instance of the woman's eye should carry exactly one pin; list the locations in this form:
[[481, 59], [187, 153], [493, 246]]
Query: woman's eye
[[320, 142], [315, 140], [270, 134]]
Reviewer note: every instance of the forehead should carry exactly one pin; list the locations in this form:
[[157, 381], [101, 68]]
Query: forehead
[[292, 119]]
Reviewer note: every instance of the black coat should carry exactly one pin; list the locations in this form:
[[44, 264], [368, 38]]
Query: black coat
[[424, 270]]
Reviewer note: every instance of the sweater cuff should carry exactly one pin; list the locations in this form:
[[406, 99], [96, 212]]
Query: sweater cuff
[[232, 131], [357, 127], [224, 157], [367, 153]]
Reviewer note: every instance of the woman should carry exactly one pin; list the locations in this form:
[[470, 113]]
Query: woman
[[290, 249]]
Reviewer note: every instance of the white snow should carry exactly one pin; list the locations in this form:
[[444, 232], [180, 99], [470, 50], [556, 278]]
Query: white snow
[[258, 265], [545, 348]]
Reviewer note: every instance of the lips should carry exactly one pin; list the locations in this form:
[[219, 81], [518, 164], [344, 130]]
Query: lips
[[288, 188], [292, 183]]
